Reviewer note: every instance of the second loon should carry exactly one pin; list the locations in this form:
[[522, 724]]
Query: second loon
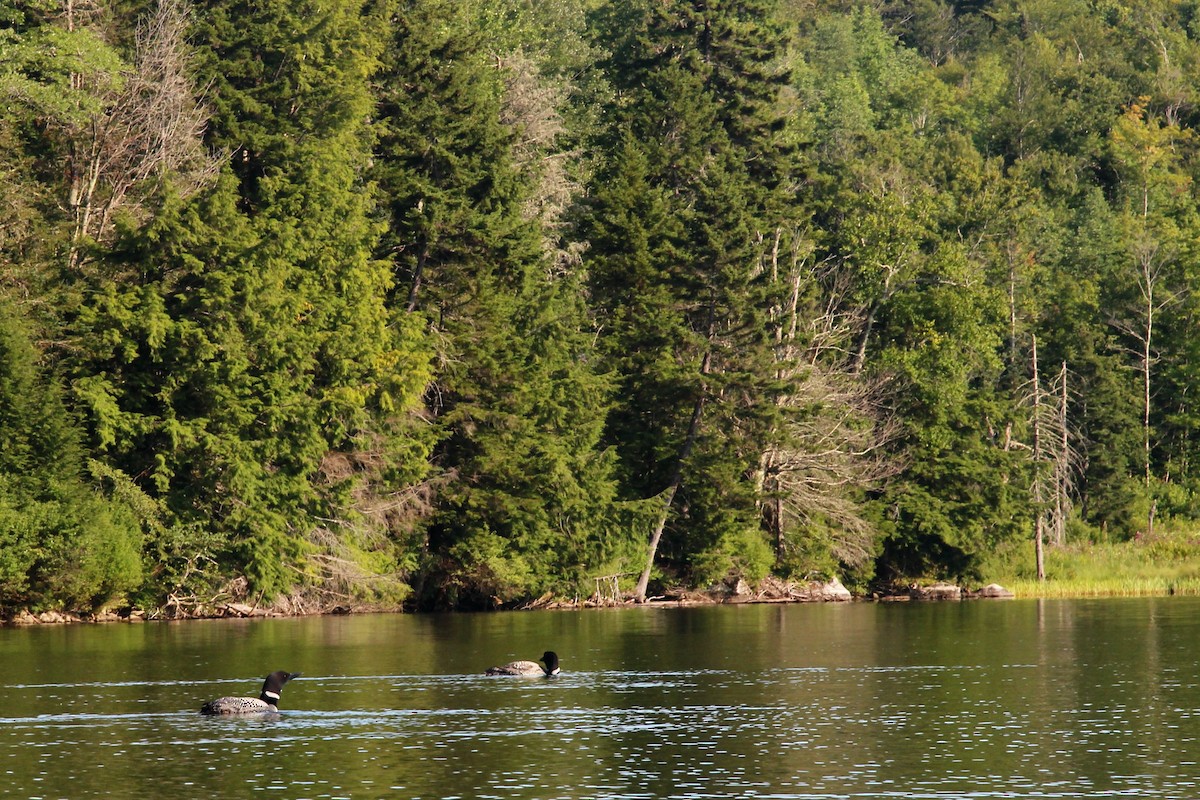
[[548, 659], [266, 703]]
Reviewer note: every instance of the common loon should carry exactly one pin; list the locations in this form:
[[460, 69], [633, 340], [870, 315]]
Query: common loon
[[549, 659], [265, 703]]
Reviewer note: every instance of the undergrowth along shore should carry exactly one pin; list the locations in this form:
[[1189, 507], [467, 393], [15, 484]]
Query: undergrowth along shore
[[1165, 563], [1068, 589]]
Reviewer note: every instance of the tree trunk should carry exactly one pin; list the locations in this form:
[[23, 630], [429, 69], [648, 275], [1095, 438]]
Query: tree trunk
[[418, 277], [668, 496], [860, 350], [1063, 467], [1147, 355], [1040, 524], [1040, 549]]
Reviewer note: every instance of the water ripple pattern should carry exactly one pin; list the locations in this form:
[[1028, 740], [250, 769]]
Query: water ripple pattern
[[1022, 724]]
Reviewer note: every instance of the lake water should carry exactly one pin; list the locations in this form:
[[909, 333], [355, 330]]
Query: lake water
[[983, 699]]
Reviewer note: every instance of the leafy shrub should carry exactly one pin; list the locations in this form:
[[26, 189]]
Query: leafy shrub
[[486, 571], [739, 553]]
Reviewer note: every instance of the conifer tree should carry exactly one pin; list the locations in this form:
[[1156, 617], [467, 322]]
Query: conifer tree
[[697, 88], [526, 506], [240, 353], [63, 543]]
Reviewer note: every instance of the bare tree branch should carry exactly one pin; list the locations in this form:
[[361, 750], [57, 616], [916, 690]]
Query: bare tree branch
[[149, 130], [835, 440]]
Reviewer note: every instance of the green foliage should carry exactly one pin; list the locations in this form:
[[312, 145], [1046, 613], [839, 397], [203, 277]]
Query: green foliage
[[66, 545], [56, 71], [486, 572], [478, 285], [518, 406], [738, 554], [87, 552]]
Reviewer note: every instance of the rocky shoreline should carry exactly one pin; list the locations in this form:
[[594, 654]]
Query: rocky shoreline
[[771, 590], [775, 591]]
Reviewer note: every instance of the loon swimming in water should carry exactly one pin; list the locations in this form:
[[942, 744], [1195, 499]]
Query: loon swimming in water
[[265, 703], [549, 659]]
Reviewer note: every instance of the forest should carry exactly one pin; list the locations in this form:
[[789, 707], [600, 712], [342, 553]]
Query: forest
[[457, 304]]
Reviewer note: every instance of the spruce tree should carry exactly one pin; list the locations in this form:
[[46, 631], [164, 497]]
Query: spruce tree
[[525, 503], [696, 86], [239, 354]]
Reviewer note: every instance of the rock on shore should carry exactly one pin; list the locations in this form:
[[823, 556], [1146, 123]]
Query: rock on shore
[[950, 591]]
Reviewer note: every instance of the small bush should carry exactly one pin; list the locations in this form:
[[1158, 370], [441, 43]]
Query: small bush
[[740, 553], [486, 567], [72, 550]]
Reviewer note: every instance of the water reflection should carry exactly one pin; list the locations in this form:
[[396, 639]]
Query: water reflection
[[966, 700]]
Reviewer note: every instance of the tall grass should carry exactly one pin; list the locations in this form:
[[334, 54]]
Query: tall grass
[[1162, 564]]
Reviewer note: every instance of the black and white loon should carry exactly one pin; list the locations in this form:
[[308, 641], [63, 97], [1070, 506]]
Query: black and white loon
[[265, 703], [548, 659]]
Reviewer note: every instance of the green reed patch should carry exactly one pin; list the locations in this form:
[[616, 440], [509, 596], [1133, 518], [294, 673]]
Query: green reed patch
[[1166, 562]]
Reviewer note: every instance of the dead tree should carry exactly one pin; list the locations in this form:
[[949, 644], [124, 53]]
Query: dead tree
[[1054, 460], [1038, 459], [834, 439], [150, 128], [1152, 261]]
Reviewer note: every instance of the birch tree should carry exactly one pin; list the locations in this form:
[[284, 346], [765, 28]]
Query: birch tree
[[1154, 189]]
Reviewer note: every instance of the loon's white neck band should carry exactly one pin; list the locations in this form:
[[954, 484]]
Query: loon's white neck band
[[272, 695]]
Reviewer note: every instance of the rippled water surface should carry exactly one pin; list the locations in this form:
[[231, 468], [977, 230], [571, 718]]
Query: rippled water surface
[[1017, 699]]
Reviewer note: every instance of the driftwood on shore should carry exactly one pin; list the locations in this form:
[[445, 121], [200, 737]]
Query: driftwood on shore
[[947, 591], [770, 590]]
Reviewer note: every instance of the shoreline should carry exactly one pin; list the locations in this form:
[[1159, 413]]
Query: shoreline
[[769, 593]]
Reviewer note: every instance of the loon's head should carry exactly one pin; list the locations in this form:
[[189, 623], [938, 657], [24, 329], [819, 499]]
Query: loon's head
[[273, 685], [550, 659]]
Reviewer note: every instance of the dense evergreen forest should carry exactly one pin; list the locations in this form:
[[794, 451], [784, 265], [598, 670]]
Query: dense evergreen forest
[[461, 303]]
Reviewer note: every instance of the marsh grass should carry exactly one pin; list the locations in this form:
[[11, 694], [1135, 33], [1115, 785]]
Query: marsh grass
[[1162, 564]]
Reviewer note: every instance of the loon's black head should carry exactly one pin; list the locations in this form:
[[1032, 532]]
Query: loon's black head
[[550, 659], [273, 685]]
